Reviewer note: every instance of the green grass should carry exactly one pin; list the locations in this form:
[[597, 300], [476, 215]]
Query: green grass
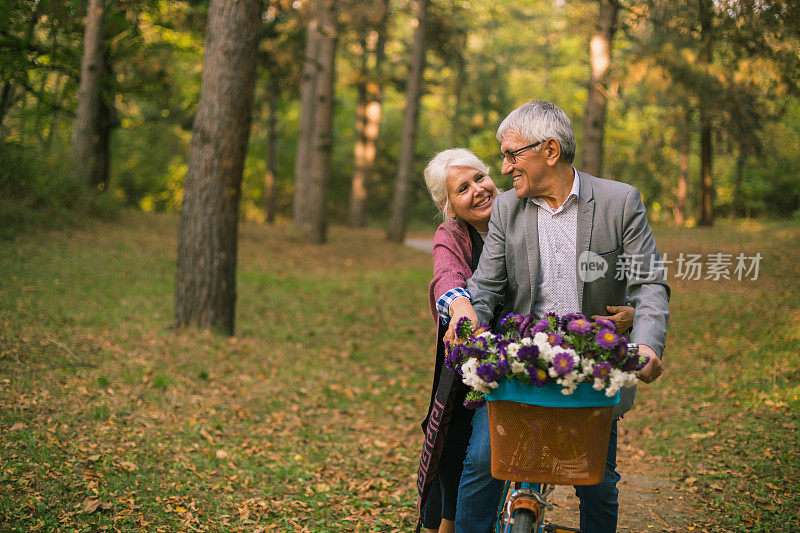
[[308, 419], [725, 415]]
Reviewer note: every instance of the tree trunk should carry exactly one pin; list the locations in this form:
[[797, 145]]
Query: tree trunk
[[270, 200], [306, 124], [368, 121], [680, 200], [7, 98], [208, 232], [738, 176], [398, 221], [706, 177], [313, 163], [595, 117], [58, 95], [106, 118], [461, 121], [85, 134]]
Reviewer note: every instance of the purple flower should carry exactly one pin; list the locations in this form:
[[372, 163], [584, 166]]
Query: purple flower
[[621, 352], [607, 339], [473, 351], [635, 363], [511, 322], [555, 339], [602, 370], [542, 326], [580, 326], [452, 356], [464, 328], [473, 403], [528, 354], [489, 372], [569, 317], [539, 376], [503, 365], [604, 323], [563, 363], [525, 325]]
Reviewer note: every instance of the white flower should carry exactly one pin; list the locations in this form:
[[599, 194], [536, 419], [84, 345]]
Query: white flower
[[517, 367], [470, 377]]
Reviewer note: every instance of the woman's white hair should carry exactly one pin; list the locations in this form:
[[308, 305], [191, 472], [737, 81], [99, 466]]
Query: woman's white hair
[[436, 173], [538, 120]]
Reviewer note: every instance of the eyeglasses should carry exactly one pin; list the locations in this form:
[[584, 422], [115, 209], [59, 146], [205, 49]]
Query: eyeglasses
[[512, 155]]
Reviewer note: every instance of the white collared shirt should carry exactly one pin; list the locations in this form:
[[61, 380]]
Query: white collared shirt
[[557, 286]]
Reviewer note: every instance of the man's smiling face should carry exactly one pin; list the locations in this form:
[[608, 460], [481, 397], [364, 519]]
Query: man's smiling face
[[528, 167]]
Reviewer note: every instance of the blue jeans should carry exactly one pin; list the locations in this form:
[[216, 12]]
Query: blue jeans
[[479, 493]]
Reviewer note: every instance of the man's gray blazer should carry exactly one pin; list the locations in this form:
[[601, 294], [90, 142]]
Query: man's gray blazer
[[611, 224]]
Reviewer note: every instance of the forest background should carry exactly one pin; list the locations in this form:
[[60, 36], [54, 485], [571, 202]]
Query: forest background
[[126, 132], [691, 86]]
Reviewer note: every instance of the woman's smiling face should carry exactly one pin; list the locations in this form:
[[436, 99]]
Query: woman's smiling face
[[471, 194]]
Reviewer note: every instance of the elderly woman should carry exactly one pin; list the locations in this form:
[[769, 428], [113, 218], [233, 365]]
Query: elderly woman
[[461, 188]]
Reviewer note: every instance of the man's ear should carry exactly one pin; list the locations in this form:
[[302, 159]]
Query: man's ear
[[552, 150]]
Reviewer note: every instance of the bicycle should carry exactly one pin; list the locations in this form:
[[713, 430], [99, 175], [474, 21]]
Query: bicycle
[[542, 438]]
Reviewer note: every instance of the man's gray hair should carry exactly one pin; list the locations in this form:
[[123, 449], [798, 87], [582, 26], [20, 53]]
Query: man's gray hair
[[436, 173], [538, 120]]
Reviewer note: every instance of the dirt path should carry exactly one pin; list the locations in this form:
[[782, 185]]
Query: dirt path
[[648, 500]]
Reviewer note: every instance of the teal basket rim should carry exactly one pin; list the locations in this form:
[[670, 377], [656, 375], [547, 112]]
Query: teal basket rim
[[550, 395]]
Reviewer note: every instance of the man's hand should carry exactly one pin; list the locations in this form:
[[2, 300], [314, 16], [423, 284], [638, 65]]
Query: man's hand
[[459, 308], [653, 368], [621, 315]]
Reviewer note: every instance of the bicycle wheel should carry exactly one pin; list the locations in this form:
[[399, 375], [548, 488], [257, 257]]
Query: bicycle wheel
[[524, 521]]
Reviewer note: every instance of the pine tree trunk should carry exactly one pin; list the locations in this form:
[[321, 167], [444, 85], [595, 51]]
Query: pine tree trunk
[[85, 134], [706, 179], [738, 177], [7, 98], [398, 221], [595, 117], [358, 189], [208, 232], [105, 125], [706, 151], [368, 120], [313, 163], [270, 200], [308, 87], [680, 200]]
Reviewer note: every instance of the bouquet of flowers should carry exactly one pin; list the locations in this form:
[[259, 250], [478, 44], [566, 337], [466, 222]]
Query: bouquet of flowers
[[565, 350]]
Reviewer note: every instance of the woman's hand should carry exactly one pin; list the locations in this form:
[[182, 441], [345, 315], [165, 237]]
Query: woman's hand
[[621, 315], [459, 308]]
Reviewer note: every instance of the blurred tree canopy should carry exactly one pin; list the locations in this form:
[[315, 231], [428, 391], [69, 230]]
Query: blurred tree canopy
[[730, 66]]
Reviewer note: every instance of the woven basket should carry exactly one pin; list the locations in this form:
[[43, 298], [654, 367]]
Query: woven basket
[[563, 440]]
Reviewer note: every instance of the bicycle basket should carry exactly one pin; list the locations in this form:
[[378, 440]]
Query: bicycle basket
[[539, 435]]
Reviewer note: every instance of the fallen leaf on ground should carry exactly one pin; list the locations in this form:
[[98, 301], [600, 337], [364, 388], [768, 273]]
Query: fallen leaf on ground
[[127, 465], [90, 505]]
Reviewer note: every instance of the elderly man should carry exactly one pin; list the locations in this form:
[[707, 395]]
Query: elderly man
[[560, 242]]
